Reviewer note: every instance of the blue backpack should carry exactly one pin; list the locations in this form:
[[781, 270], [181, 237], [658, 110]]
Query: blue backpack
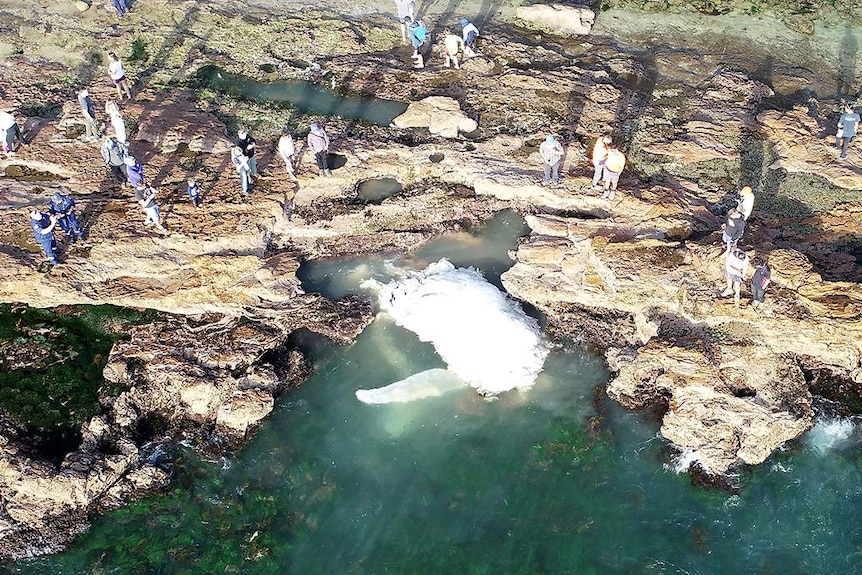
[[420, 31]]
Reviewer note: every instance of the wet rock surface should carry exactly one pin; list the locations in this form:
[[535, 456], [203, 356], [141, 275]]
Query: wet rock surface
[[639, 275]]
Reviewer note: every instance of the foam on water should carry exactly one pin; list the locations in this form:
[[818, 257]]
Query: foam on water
[[484, 337], [829, 433]]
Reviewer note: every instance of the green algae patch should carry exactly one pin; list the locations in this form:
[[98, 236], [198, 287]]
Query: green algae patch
[[51, 368]]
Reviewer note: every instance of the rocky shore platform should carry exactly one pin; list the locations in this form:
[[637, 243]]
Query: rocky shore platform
[[638, 276]]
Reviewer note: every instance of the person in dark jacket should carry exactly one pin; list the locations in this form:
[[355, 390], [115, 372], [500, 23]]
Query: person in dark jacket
[[63, 207], [247, 144], [761, 278], [43, 232], [733, 229]]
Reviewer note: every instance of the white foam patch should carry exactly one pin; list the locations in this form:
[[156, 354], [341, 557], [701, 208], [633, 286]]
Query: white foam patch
[[828, 434], [484, 337], [430, 383], [683, 461]]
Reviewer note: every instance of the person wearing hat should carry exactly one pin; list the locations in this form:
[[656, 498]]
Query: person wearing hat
[[470, 34], [615, 162], [247, 144], [746, 202], [43, 232], [114, 154], [134, 171], [735, 266], [318, 141], [761, 278], [286, 149], [405, 10], [600, 154], [146, 197], [552, 156], [63, 207]]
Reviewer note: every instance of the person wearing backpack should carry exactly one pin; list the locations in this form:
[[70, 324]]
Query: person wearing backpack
[[114, 154], [63, 207], [732, 230], [43, 232], [418, 33], [615, 162], [146, 197]]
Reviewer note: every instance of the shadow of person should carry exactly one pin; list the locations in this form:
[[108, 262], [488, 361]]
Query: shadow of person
[[847, 51]]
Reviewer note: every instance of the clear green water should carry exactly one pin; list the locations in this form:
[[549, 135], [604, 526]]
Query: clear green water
[[558, 480], [304, 96]]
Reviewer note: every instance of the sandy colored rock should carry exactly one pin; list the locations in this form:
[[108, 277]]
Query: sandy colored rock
[[558, 18], [442, 116], [245, 409]]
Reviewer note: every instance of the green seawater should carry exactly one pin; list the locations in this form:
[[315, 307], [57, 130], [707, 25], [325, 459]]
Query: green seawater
[[557, 480]]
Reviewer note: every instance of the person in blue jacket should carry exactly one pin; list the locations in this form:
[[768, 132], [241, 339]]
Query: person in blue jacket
[[43, 232], [63, 206], [418, 33]]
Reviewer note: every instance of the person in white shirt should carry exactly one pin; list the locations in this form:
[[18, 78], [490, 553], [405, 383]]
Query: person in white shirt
[[746, 202], [405, 8], [117, 122], [10, 130], [454, 46], [469, 33], [118, 76], [286, 149]]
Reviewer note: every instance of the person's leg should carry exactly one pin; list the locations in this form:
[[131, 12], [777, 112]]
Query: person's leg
[[547, 176], [288, 164], [321, 159], [126, 88], [455, 61], [119, 90], [15, 131], [555, 171], [73, 224], [49, 246], [729, 289], [243, 178], [157, 217], [736, 285], [757, 294], [844, 145], [252, 164], [597, 174], [615, 180]]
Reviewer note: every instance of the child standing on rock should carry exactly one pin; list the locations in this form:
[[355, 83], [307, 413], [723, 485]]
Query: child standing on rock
[[735, 266]]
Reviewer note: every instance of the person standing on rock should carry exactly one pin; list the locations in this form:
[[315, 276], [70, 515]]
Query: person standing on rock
[[194, 192], [469, 33], [243, 170], [318, 141], [735, 266], [599, 155], [118, 76], [287, 149], [732, 230], [9, 126], [454, 45], [43, 232], [615, 162], [761, 278], [551, 152], [121, 6], [114, 154], [117, 122], [146, 197], [745, 204], [248, 146], [88, 110], [134, 171], [418, 33], [63, 207], [405, 10], [847, 125]]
